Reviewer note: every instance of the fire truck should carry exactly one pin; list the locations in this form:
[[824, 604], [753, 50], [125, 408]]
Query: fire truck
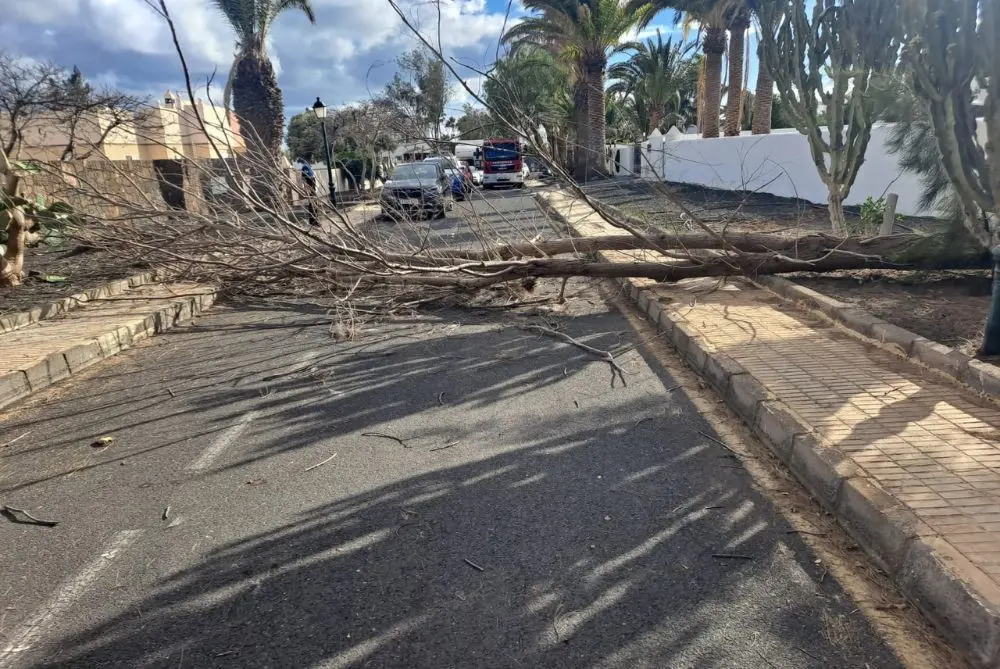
[[502, 163]]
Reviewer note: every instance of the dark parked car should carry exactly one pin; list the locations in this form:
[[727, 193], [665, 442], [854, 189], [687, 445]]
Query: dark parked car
[[417, 188]]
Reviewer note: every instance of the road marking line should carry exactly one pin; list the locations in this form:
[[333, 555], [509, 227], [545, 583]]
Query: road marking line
[[209, 455], [65, 597]]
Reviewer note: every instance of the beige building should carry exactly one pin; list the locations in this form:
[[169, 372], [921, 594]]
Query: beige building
[[168, 129], [47, 137], [171, 130]]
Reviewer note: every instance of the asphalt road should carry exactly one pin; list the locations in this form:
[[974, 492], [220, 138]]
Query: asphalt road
[[450, 490]]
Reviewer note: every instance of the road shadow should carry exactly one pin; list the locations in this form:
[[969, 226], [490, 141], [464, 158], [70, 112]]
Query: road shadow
[[534, 517], [584, 548]]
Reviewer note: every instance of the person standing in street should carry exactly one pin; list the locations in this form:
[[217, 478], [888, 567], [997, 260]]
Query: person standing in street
[[309, 179]]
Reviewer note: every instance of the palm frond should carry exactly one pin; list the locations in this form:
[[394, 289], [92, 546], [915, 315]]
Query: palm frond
[[240, 15]]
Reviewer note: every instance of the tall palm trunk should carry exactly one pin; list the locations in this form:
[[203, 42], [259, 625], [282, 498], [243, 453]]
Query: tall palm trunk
[[258, 104], [581, 121], [734, 102], [762, 101], [699, 101], [655, 118], [714, 46], [597, 126]]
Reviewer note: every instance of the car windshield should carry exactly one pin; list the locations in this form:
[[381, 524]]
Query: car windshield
[[501, 151], [415, 171]]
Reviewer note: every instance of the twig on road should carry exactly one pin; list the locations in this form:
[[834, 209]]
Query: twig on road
[[640, 422], [769, 663], [616, 370], [380, 435], [732, 556], [806, 652], [472, 564], [319, 464], [16, 439], [448, 445], [22, 517], [711, 438]]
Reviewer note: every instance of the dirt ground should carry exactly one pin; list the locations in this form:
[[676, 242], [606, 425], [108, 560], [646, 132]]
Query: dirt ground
[[733, 210], [947, 307], [81, 271]]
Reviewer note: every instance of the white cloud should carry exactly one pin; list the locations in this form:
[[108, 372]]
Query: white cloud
[[461, 97], [350, 50]]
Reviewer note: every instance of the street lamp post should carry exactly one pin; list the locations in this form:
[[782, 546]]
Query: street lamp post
[[319, 109]]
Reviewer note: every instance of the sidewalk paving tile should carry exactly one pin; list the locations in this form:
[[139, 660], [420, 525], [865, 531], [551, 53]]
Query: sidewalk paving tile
[[28, 346]]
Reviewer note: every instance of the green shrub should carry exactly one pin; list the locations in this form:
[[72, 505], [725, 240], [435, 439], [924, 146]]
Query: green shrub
[[872, 213]]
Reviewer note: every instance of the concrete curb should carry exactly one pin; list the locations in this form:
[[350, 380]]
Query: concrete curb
[[61, 365], [981, 377], [21, 319], [924, 567]]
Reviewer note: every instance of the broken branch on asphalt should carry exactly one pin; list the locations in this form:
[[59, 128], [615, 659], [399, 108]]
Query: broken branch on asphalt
[[380, 435], [616, 370], [22, 517], [319, 464]]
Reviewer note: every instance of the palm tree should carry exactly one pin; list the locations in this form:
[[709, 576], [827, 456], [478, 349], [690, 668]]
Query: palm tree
[[660, 80], [252, 84], [587, 33], [738, 20], [529, 88], [763, 96], [713, 18]]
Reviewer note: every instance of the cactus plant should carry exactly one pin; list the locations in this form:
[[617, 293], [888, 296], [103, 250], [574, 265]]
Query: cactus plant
[[952, 47], [836, 57]]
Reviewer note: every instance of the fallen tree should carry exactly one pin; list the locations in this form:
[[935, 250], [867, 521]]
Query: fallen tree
[[231, 234], [915, 250]]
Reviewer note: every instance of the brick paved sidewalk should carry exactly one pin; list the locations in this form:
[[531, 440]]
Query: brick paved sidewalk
[[931, 444], [50, 350]]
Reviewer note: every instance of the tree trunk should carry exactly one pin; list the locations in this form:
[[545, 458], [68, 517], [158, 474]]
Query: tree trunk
[[714, 47], [596, 130], [581, 119], [12, 261], [762, 101], [903, 249], [258, 104], [734, 97], [837, 219], [655, 117], [15, 223], [743, 264]]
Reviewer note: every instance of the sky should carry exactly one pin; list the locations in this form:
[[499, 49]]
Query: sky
[[345, 57]]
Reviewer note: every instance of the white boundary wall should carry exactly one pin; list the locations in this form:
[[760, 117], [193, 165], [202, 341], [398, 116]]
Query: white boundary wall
[[779, 164]]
